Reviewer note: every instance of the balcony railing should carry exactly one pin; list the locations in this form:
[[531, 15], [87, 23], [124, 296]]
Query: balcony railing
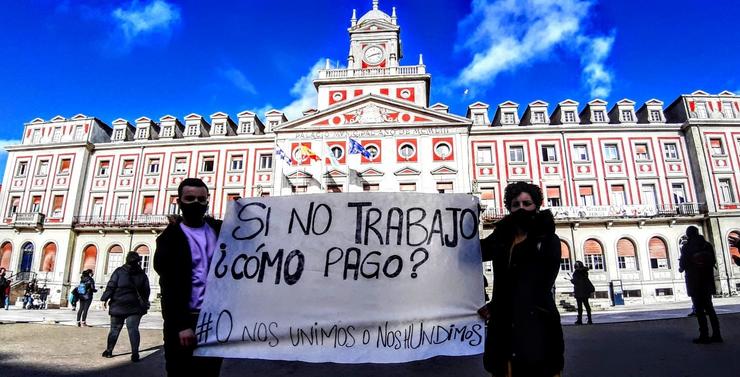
[[28, 220], [371, 72], [137, 221], [595, 212]]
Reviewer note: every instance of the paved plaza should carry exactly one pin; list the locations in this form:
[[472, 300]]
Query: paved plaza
[[646, 341]]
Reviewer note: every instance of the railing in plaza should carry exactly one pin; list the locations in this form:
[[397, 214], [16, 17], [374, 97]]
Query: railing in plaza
[[28, 220], [594, 212], [371, 72], [120, 221]]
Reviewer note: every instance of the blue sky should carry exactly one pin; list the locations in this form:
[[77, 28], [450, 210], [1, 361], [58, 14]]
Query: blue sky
[[112, 59]]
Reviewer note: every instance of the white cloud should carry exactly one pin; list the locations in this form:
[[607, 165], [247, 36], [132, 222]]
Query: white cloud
[[5, 143], [504, 35], [305, 92], [140, 19], [239, 80]]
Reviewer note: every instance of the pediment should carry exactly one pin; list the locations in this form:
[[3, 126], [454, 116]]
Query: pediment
[[298, 174], [699, 93], [367, 25], [478, 105], [568, 102], [219, 115], [274, 112], [58, 118], [334, 173], [443, 170], [626, 101], [246, 113], [120, 121], [727, 93], [598, 102], [143, 120], [371, 173], [439, 105], [371, 109], [407, 171], [193, 116], [654, 102], [167, 118], [37, 120], [79, 116], [508, 104]]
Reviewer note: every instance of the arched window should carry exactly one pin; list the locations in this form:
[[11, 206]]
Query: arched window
[[658, 253], [593, 255], [89, 257], [143, 250], [565, 264], [26, 257], [115, 258], [733, 250], [48, 257], [6, 251], [626, 255]]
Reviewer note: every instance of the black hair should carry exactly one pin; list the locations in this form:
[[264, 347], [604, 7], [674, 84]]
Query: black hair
[[692, 231], [192, 182], [514, 189]]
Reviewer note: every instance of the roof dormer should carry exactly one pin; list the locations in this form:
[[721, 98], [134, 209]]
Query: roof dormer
[[57, 118], [274, 118], [222, 125], [565, 113], [170, 127], [122, 130], [196, 126], [478, 113], [623, 112], [594, 113], [79, 117], [507, 114], [651, 112], [441, 107], [249, 124], [536, 114], [146, 129]]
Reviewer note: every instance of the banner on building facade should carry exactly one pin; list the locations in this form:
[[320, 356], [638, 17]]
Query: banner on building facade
[[346, 278]]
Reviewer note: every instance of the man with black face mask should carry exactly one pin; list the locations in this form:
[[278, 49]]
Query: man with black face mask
[[182, 259]]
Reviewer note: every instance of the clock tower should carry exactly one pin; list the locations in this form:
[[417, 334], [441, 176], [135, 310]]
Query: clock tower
[[373, 65]]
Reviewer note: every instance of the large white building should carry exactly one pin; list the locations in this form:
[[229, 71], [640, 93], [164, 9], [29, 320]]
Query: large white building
[[624, 182]]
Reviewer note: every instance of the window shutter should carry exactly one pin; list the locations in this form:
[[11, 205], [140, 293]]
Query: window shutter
[[564, 250], [625, 248], [553, 192], [592, 247], [657, 249], [586, 190]]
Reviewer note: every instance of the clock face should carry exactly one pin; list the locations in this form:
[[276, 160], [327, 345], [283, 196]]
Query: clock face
[[373, 55]]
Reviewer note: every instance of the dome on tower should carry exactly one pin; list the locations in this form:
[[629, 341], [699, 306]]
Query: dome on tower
[[375, 14]]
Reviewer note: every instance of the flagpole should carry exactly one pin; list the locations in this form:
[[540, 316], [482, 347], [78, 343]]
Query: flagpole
[[347, 159]]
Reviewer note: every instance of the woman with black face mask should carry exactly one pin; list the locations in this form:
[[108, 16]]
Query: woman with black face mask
[[524, 335]]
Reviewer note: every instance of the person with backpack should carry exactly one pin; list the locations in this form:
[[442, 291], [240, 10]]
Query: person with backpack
[[697, 261], [127, 297], [85, 291], [582, 290]]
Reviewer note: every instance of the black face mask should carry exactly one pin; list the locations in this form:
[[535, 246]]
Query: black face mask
[[523, 219], [193, 212]]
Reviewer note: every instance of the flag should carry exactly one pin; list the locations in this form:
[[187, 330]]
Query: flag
[[330, 155], [355, 148], [308, 153], [279, 152]]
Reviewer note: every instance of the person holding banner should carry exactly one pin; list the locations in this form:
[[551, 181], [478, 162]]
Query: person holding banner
[[182, 259], [524, 334]]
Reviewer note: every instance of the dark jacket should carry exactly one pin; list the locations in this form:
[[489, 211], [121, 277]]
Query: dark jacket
[[173, 262], [525, 323], [582, 286], [121, 291], [697, 261], [89, 288]]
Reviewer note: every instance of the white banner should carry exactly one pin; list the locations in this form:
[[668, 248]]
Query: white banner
[[346, 278]]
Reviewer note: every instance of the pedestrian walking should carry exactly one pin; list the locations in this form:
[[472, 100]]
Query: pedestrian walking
[[182, 259], [582, 290], [85, 291], [697, 262], [28, 294], [127, 298], [3, 284], [6, 303], [524, 333]]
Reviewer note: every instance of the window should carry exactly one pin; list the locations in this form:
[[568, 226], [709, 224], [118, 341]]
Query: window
[[115, 259], [658, 253], [142, 133], [152, 166], [193, 130], [626, 259], [586, 195], [36, 204], [57, 136], [516, 153], [641, 152], [79, 133], [611, 152], [679, 193], [655, 116], [15, 203], [122, 207], [207, 165], [407, 151], [581, 153], [632, 293], [103, 168], [627, 116], [564, 257], [442, 150], [479, 120], [443, 187], [265, 161], [147, 205], [716, 147], [56, 206], [333, 188], [549, 154], [664, 292], [725, 191], [36, 137], [167, 131], [237, 163], [539, 117], [118, 134], [219, 129], [569, 116], [337, 151], [43, 168], [619, 197], [21, 169], [245, 127], [298, 189], [181, 165], [97, 208], [508, 118], [649, 196], [727, 110], [407, 186], [553, 196], [701, 110], [599, 116], [127, 168], [374, 151], [173, 207], [593, 255], [484, 155], [371, 187], [671, 151], [64, 166]]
